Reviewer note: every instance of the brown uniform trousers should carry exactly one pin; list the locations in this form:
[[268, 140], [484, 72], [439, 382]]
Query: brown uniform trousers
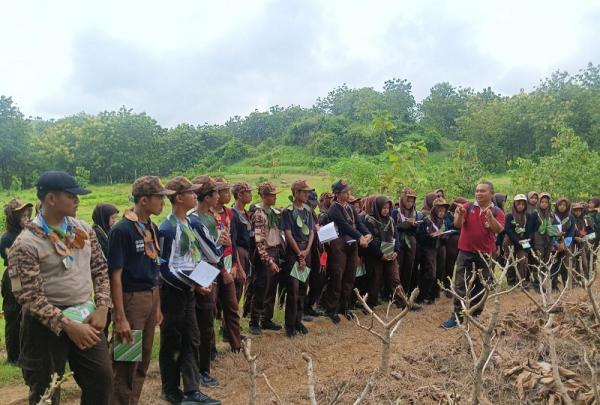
[[43, 353], [521, 271], [296, 291], [140, 311], [205, 318], [432, 271], [381, 271], [451, 255], [316, 278], [467, 264], [406, 264], [341, 272], [265, 288], [226, 295]]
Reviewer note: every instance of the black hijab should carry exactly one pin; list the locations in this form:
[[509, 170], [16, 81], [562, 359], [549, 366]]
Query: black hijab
[[385, 224], [101, 216]]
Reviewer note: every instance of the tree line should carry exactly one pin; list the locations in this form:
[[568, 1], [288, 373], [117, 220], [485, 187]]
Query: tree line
[[502, 132]]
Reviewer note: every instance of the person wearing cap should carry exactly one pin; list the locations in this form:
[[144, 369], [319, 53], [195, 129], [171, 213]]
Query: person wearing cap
[[298, 226], [479, 223], [226, 293], [203, 222], [431, 236], [517, 232], [244, 242], [342, 253], [407, 220], [380, 256], [17, 214], [179, 333], [133, 264], [269, 250], [56, 263]]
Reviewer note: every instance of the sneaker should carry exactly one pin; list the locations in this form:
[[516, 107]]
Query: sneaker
[[255, 329], [174, 398], [451, 323], [349, 314], [197, 397], [290, 331], [300, 328], [206, 380], [335, 318], [307, 318], [270, 325]]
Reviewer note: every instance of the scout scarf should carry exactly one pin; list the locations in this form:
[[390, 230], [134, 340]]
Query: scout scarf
[[209, 220], [519, 219], [385, 225], [188, 239], [348, 212], [272, 215], [65, 237], [151, 246]]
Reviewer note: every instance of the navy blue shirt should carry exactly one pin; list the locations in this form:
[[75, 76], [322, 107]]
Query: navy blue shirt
[[126, 251]]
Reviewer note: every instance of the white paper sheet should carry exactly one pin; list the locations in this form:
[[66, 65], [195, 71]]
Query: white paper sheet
[[204, 274], [327, 233]]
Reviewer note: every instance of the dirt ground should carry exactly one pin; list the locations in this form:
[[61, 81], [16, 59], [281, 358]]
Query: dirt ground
[[426, 360]]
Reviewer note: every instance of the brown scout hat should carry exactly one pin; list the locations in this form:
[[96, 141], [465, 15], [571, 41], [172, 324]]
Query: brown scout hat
[[148, 186], [409, 192], [221, 183], [267, 188], [577, 206], [301, 185], [207, 185], [340, 186], [325, 196], [15, 205], [240, 187], [181, 185], [440, 202]]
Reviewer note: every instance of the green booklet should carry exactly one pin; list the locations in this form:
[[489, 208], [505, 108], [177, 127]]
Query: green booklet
[[301, 276], [78, 313], [130, 352], [589, 236], [360, 270], [387, 248]]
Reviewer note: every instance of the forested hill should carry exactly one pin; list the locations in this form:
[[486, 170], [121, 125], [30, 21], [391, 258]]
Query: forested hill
[[117, 146]]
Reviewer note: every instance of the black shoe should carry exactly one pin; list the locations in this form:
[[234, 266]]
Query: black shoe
[[307, 318], [310, 311], [429, 302], [319, 311], [174, 398], [206, 380], [270, 325], [290, 331], [255, 329], [349, 314], [213, 354], [300, 328], [197, 397], [335, 318]]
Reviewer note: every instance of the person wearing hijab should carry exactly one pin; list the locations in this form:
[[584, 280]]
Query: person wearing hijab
[[17, 214], [532, 201], [452, 240], [431, 236], [380, 256], [542, 243], [584, 227], [565, 222], [517, 236], [499, 201], [407, 219], [428, 202], [594, 215], [104, 217]]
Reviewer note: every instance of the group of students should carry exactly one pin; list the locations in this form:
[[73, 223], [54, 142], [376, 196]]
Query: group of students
[[138, 275]]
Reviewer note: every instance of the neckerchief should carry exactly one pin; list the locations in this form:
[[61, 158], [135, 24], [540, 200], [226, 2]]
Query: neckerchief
[[188, 241], [63, 238]]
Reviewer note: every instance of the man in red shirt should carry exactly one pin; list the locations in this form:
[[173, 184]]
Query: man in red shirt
[[479, 222]]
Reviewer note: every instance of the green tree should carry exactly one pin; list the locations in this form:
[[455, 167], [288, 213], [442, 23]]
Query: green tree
[[14, 141]]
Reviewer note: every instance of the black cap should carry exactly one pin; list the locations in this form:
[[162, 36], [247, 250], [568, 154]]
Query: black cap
[[58, 181]]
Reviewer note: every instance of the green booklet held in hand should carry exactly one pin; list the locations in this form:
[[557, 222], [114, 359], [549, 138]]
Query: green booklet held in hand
[[79, 313], [301, 276], [129, 352], [387, 248]]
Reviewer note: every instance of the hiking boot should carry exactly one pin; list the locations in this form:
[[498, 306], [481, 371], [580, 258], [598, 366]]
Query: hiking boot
[[206, 380], [255, 329], [300, 328], [290, 331], [174, 398], [451, 323], [335, 318], [270, 325], [197, 397]]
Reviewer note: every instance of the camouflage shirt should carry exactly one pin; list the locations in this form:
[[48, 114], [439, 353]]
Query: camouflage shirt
[[28, 280], [260, 225]]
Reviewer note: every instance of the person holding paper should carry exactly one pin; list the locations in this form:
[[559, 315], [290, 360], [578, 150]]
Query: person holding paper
[[431, 234], [407, 220], [380, 256], [517, 236], [179, 332], [343, 253], [55, 267], [479, 223], [269, 250], [562, 242], [298, 226], [133, 264]]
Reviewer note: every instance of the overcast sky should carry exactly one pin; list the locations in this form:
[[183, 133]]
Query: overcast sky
[[204, 61]]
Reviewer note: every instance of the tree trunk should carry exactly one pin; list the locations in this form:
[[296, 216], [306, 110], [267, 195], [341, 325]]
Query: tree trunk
[[385, 351]]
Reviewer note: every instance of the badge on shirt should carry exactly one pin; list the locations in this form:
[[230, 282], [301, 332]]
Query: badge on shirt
[[139, 246]]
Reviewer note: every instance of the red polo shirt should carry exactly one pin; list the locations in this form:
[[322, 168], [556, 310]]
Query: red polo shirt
[[474, 236]]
